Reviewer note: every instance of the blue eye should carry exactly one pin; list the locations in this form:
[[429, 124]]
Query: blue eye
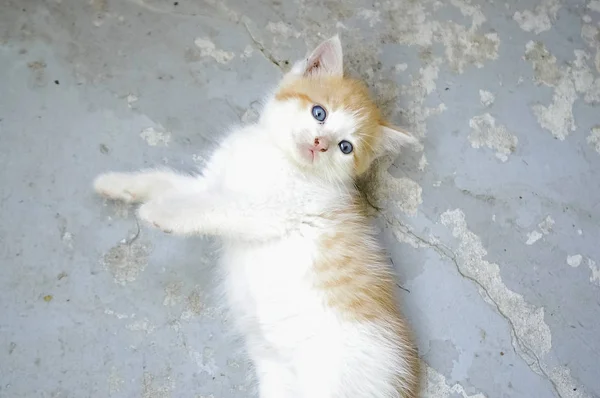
[[345, 147], [319, 113]]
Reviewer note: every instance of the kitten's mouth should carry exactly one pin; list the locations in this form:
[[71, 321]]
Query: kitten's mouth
[[308, 153]]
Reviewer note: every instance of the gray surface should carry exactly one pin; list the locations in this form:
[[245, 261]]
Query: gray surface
[[83, 314]]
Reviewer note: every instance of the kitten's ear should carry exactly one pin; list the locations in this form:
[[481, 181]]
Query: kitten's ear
[[394, 138], [325, 60]]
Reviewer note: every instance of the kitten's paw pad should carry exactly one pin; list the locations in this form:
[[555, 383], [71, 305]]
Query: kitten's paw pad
[[115, 186], [159, 216]]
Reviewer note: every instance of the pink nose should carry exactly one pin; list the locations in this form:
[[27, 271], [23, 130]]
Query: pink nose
[[321, 144]]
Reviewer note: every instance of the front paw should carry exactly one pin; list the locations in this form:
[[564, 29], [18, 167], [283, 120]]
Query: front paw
[[116, 186], [161, 216]]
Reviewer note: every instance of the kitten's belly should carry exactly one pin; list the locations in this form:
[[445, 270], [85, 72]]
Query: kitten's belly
[[269, 287]]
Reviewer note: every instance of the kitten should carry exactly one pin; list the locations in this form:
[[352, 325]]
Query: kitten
[[307, 283]]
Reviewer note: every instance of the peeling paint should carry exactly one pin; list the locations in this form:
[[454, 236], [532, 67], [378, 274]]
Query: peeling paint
[[594, 5], [416, 113], [400, 67], [373, 17], [205, 361], [131, 100], [116, 314], [564, 384], [67, 238], [172, 293], [126, 261], [558, 116], [208, 49], [156, 136], [437, 386], [583, 77], [567, 82], [194, 305], [595, 276], [283, 29], [589, 34], [486, 98], [531, 336], [410, 23], [99, 6], [547, 225], [544, 65], [464, 47], [540, 19], [248, 51], [574, 260], [469, 10], [153, 388], [282, 32], [533, 237], [114, 381], [594, 138], [485, 132], [226, 11], [143, 325], [38, 73], [423, 163]]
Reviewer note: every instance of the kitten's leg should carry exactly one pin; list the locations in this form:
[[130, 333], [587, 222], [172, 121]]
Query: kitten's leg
[[214, 213], [144, 185]]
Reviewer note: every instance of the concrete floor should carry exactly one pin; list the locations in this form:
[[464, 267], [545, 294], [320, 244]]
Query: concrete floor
[[492, 224]]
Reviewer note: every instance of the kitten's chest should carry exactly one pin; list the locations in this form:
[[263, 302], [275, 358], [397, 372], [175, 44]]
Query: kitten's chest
[[270, 288]]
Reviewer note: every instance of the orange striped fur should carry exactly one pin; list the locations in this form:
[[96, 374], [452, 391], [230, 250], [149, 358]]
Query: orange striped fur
[[357, 281]]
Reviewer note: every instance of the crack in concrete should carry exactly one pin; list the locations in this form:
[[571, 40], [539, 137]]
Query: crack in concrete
[[257, 43], [446, 252], [266, 53]]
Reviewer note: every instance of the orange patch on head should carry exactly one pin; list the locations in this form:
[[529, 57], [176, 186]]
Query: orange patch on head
[[335, 93], [289, 95]]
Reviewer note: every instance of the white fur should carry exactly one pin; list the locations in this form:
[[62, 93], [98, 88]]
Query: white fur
[[262, 199]]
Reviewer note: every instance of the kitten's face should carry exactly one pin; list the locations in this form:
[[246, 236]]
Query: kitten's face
[[325, 123]]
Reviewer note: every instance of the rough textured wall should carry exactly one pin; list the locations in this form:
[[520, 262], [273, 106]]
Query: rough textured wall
[[492, 223]]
